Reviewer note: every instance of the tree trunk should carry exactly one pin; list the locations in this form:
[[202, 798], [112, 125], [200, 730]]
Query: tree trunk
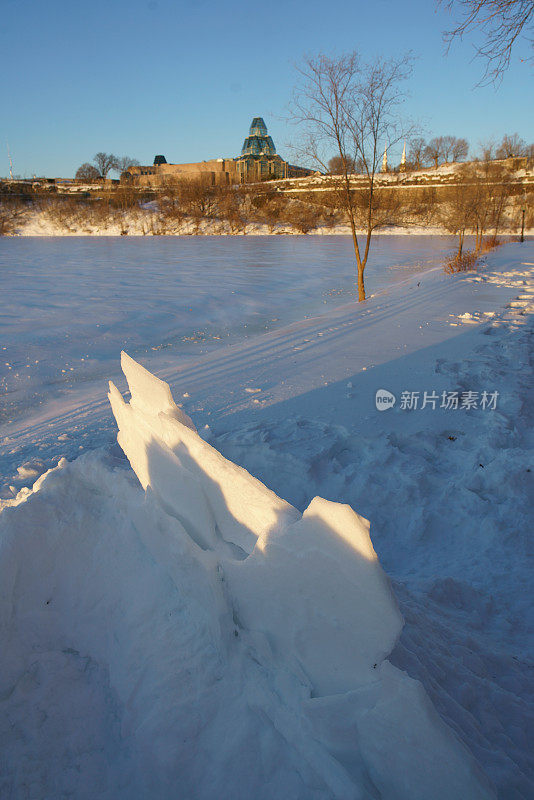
[[360, 265], [460, 243], [361, 285]]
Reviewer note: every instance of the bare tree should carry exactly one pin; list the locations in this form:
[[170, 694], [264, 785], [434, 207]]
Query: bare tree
[[494, 198], [446, 149], [482, 178], [353, 107], [416, 152], [458, 206], [104, 163], [499, 196], [433, 151], [501, 23], [87, 172], [335, 165], [124, 163], [478, 201], [511, 146], [455, 149], [486, 150]]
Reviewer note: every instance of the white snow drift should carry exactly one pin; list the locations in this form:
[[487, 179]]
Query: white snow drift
[[202, 639]]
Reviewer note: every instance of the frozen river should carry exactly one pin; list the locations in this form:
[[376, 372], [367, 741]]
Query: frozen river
[[69, 305]]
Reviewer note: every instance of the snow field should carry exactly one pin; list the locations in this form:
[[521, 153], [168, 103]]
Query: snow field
[[448, 493]]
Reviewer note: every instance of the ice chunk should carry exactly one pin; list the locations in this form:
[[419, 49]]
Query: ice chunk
[[243, 508], [180, 493], [320, 594], [344, 619], [150, 395]]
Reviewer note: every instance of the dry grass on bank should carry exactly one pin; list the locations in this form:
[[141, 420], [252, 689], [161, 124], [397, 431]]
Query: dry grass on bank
[[468, 260]]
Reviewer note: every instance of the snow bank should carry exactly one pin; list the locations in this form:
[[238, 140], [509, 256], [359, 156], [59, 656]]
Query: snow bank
[[202, 639]]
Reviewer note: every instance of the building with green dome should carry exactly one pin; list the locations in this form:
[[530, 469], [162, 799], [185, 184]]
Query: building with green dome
[[258, 142], [258, 161]]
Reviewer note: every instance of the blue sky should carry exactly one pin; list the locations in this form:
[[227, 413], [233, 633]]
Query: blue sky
[[185, 78]]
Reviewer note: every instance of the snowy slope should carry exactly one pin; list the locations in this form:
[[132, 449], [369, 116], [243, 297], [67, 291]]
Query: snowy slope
[[178, 649], [448, 493]]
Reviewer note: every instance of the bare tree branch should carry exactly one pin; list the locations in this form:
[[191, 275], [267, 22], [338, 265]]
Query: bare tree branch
[[501, 23]]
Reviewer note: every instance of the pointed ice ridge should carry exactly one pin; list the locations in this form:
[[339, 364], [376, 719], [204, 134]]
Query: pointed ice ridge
[[152, 428], [149, 394]]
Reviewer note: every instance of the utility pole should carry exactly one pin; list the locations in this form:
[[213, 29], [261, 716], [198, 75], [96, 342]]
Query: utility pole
[[10, 162], [522, 239]]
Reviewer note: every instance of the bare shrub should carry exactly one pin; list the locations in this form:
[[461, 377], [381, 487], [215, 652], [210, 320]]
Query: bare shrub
[[123, 198], [198, 198], [232, 208], [99, 213], [155, 225], [266, 206], [169, 205], [421, 206], [65, 213], [489, 243], [11, 210], [468, 259], [462, 262], [302, 216]]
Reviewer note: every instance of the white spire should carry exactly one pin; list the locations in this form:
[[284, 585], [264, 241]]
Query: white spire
[[385, 159], [402, 167]]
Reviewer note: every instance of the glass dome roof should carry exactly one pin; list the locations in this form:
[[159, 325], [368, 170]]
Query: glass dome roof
[[258, 127], [258, 142]]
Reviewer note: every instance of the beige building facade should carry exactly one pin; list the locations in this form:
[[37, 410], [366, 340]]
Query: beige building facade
[[258, 161]]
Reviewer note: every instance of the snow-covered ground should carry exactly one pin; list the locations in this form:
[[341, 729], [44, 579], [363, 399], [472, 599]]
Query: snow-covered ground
[[70, 305], [183, 640], [147, 221]]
